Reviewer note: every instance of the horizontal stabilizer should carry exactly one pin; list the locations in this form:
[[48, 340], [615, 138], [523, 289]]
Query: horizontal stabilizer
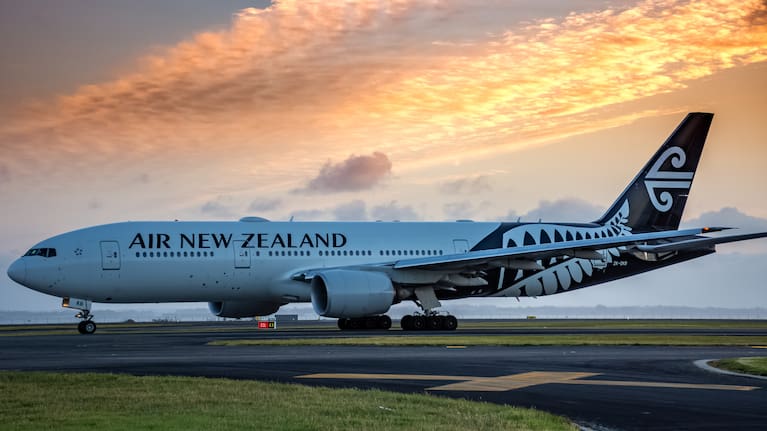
[[698, 242]]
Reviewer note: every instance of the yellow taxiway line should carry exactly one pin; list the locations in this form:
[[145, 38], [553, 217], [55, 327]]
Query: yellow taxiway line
[[518, 381]]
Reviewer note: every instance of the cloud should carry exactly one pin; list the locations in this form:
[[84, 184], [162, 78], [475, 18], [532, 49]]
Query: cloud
[[309, 215], [5, 174], [469, 185], [459, 210], [394, 211], [560, 210], [728, 217], [218, 208], [263, 205], [351, 211], [95, 204], [353, 174], [416, 80]]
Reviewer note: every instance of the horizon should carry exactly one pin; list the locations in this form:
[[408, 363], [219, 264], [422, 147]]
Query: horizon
[[360, 111]]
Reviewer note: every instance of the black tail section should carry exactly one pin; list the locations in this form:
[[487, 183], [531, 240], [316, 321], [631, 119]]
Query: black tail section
[[655, 200]]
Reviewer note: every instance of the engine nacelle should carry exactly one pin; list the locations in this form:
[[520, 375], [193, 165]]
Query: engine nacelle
[[346, 293], [242, 309]]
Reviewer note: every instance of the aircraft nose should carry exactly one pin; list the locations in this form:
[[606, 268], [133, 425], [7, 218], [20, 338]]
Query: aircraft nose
[[18, 271]]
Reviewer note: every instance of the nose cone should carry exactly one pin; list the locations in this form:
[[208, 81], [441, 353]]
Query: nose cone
[[18, 271]]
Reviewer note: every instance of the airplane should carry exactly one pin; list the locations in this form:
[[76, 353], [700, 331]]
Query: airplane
[[355, 271]]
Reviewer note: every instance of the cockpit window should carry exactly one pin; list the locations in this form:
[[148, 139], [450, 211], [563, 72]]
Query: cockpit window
[[44, 252]]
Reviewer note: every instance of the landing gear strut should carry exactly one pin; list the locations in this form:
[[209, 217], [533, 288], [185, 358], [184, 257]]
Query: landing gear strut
[[368, 322]]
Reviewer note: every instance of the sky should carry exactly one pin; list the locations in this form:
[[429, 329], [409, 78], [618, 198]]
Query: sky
[[374, 110]]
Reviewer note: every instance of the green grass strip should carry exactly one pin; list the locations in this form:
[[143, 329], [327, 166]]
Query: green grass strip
[[508, 340], [754, 365], [37, 401], [615, 324]]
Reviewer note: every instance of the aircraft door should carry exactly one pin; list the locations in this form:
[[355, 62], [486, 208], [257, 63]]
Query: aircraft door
[[461, 245], [110, 255], [241, 255]]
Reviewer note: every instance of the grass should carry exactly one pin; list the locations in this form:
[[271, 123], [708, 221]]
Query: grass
[[35, 401], [510, 340], [755, 365], [616, 324]]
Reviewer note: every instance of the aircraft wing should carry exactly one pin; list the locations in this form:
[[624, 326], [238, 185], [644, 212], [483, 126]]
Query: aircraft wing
[[648, 242], [654, 242], [697, 242]]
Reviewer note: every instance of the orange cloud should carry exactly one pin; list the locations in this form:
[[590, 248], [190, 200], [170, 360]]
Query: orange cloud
[[304, 81]]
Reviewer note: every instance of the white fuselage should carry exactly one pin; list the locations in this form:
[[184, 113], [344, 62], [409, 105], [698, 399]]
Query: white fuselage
[[135, 262]]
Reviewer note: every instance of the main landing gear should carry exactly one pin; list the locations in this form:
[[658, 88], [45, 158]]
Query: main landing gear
[[368, 322], [428, 321]]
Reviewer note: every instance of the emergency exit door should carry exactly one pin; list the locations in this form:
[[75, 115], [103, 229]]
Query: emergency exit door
[[110, 255]]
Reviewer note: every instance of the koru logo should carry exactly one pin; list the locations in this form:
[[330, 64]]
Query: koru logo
[[664, 180]]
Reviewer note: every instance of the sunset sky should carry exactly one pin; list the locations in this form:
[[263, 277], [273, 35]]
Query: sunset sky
[[432, 110]]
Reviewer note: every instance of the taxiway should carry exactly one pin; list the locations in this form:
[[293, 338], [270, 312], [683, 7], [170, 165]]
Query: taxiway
[[621, 387]]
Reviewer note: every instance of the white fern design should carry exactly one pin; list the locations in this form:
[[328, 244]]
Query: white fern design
[[569, 272]]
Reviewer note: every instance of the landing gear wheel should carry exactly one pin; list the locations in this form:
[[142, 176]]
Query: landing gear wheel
[[406, 322], [86, 327], [419, 323], [384, 322], [343, 323], [434, 323], [449, 323]]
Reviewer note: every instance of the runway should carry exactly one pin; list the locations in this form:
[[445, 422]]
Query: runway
[[622, 387]]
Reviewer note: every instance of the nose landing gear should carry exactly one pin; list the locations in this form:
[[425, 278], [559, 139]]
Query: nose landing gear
[[86, 326]]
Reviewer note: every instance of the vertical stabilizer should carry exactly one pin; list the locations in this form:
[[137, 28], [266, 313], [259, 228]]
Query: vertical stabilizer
[[656, 198]]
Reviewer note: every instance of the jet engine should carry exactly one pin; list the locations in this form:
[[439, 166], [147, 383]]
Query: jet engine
[[242, 309], [348, 293]]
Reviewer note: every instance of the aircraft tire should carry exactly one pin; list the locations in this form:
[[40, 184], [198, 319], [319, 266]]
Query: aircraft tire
[[343, 323], [419, 323], [370, 322], [434, 323], [86, 327], [384, 322], [406, 322], [450, 323]]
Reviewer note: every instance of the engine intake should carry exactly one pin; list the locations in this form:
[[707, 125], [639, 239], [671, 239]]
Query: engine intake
[[242, 309], [347, 293]]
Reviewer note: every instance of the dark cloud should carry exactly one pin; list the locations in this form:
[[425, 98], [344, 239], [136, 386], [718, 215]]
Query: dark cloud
[[459, 210], [394, 211], [471, 185], [351, 211], [568, 209], [308, 215], [264, 205], [5, 174], [354, 173], [217, 208], [728, 217]]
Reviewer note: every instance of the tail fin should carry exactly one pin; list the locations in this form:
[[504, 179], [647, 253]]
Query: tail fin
[[655, 200]]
